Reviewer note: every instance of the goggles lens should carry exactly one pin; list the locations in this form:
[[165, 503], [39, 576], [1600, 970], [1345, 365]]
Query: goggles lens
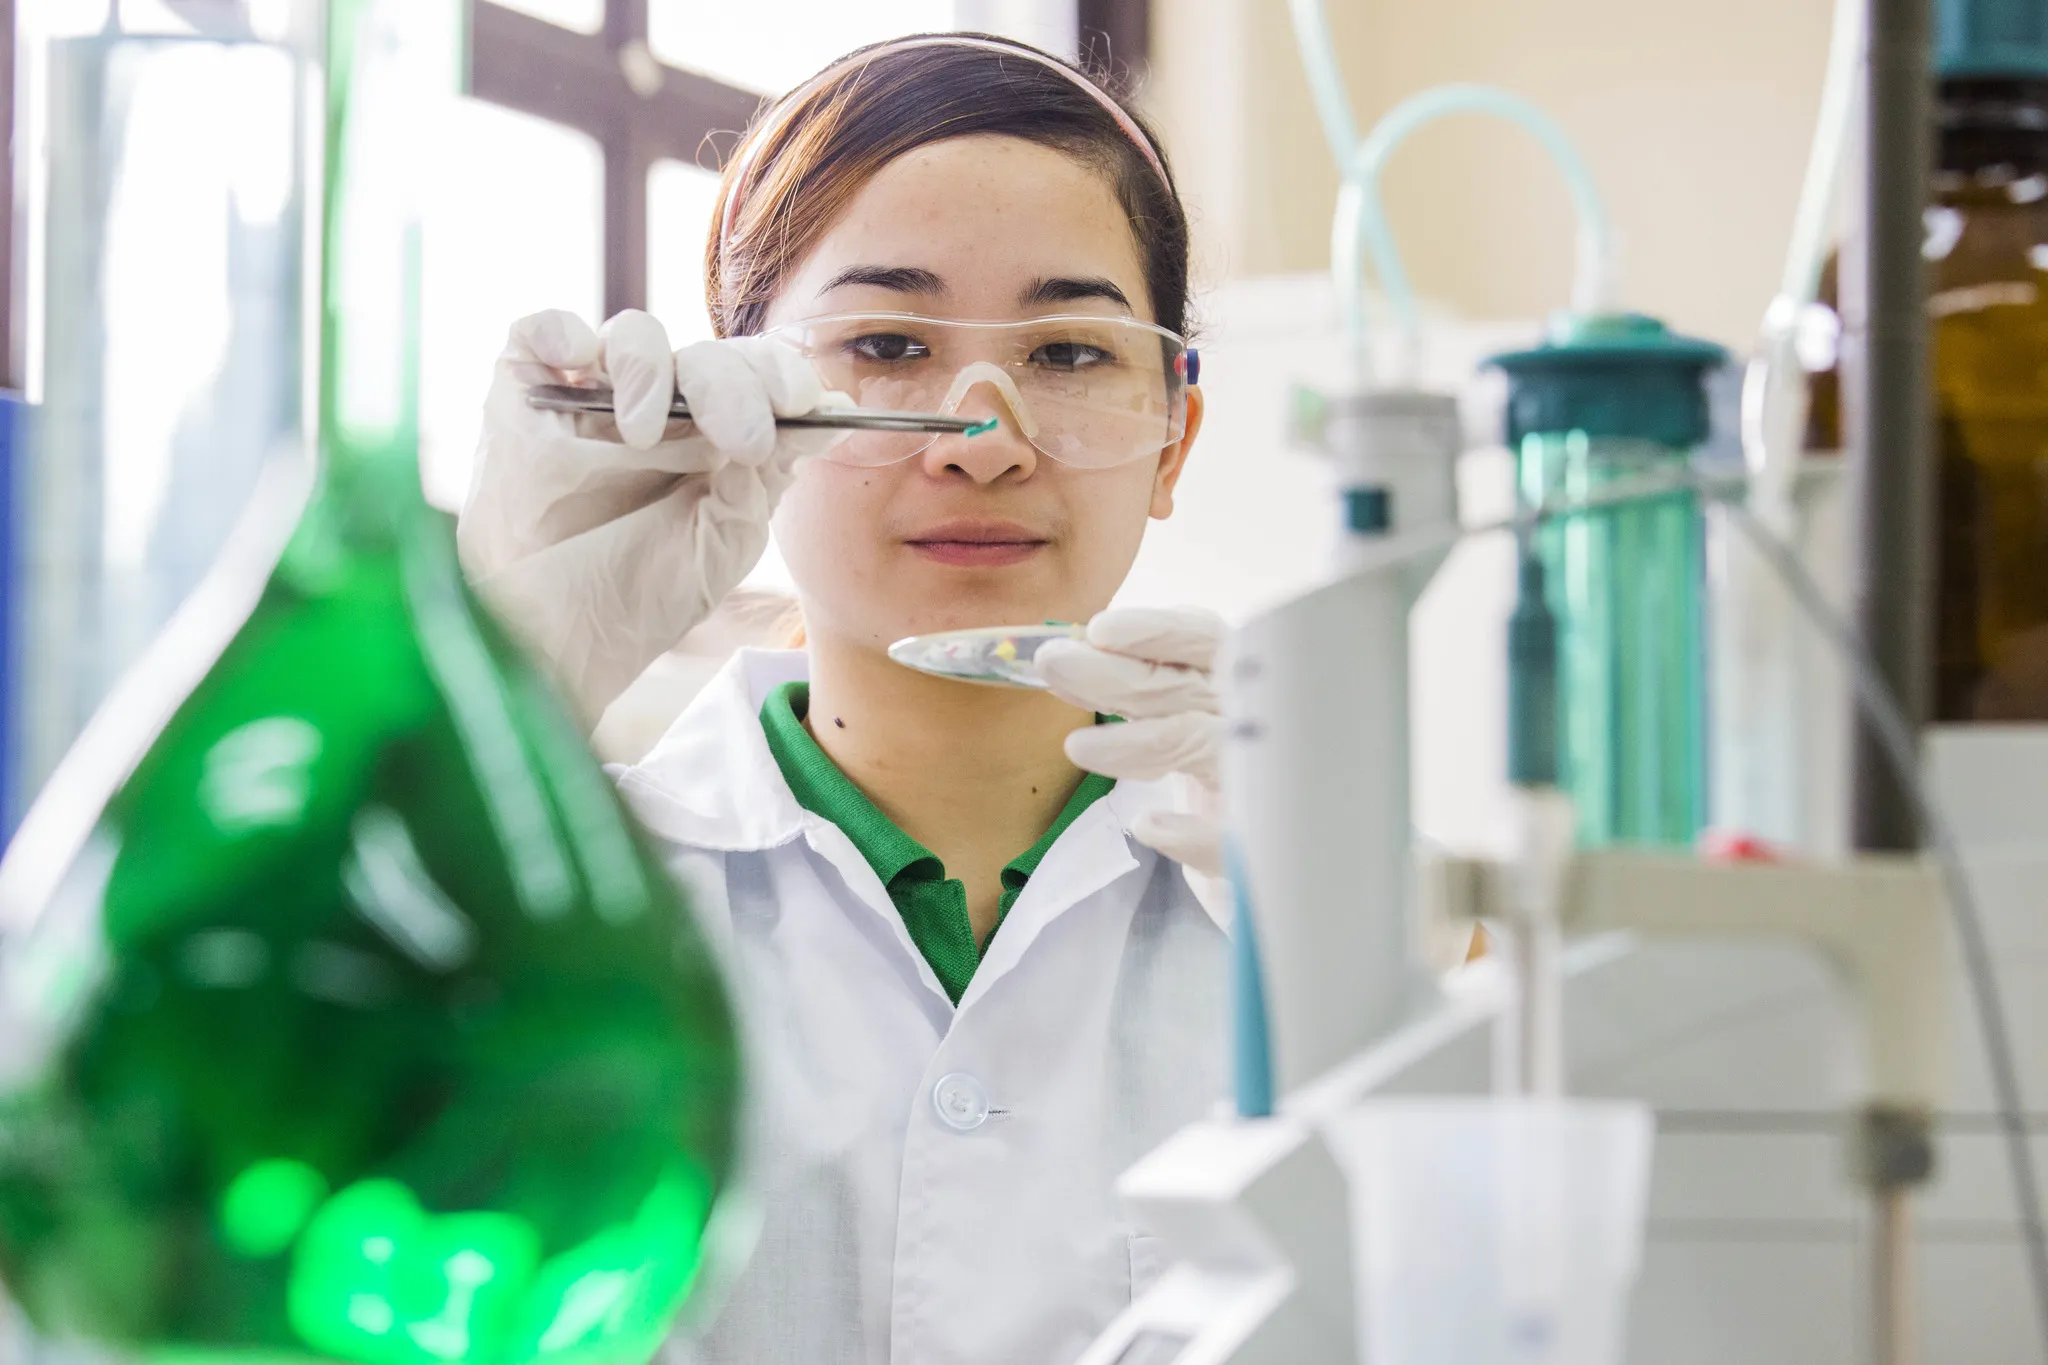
[[1091, 392]]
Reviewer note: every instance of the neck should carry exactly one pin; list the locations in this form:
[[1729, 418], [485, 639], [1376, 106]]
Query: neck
[[975, 774]]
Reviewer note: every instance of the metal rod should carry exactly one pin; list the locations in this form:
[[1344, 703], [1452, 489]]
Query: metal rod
[[1886, 412], [1544, 840], [1892, 1149], [571, 398], [1891, 1284]]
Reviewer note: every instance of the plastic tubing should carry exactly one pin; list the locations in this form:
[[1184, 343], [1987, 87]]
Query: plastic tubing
[[1361, 225], [1251, 1048], [1811, 228], [1325, 81], [1361, 219], [1770, 407]]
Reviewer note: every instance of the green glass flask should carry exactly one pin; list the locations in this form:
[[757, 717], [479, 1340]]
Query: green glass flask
[[344, 1013]]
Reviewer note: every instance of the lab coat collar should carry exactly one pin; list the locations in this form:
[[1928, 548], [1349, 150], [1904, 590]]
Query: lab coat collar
[[1095, 850], [712, 783]]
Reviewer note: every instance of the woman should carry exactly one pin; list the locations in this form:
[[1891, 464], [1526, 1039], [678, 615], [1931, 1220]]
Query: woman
[[986, 990]]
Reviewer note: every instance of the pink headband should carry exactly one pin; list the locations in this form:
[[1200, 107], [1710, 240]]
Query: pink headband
[[759, 137]]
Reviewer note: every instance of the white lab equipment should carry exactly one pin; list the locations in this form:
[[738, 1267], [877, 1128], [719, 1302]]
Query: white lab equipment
[[1761, 1242], [1253, 1206], [1494, 1230], [1754, 1235]]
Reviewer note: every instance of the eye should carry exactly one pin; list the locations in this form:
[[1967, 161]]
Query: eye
[[1070, 355], [888, 347]]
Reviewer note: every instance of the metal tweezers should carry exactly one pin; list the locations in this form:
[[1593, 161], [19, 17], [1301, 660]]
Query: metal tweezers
[[572, 398]]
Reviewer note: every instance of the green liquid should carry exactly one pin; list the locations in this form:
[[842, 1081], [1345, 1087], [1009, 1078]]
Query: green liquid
[[1624, 585], [364, 1025], [378, 1033]]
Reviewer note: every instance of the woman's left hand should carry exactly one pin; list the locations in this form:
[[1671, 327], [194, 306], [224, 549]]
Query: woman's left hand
[[1152, 666]]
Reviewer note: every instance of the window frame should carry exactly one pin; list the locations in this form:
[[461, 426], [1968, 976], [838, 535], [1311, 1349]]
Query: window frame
[[585, 81], [609, 86], [1116, 36]]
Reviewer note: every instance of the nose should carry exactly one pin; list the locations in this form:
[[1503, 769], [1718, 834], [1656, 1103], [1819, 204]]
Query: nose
[[984, 390]]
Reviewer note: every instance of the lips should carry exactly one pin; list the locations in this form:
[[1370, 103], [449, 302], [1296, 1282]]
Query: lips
[[977, 544]]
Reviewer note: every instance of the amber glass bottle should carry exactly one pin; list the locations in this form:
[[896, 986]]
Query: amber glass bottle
[[1987, 248]]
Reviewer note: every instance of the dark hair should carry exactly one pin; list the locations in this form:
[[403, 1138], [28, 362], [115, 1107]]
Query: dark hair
[[819, 151]]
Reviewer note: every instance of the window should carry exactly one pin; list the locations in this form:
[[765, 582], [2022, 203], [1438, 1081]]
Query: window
[[584, 16], [1050, 24], [679, 200], [771, 45], [512, 225], [655, 81]]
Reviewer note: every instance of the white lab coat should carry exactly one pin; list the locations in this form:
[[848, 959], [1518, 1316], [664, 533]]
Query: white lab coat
[[900, 1224]]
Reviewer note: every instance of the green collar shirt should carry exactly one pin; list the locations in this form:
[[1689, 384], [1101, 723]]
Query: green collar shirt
[[933, 906]]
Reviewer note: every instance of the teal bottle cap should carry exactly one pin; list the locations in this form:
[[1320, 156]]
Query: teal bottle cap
[[1614, 375], [1991, 38]]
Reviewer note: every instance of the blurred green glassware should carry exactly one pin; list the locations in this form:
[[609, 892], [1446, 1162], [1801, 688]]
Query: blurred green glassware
[[344, 1012]]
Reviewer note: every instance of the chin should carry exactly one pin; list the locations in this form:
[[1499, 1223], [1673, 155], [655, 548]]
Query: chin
[[927, 614], [930, 620]]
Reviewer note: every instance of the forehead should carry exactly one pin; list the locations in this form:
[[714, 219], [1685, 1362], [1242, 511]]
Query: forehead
[[988, 216]]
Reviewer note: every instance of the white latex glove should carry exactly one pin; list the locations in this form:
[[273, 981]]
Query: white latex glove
[[603, 540], [1152, 666]]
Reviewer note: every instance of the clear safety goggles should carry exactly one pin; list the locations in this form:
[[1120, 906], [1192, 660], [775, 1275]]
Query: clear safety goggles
[[1090, 392]]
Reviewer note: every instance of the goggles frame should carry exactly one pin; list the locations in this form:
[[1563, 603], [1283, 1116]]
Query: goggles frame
[[1186, 370]]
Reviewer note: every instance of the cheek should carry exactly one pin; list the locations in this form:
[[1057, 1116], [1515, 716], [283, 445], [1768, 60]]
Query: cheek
[[826, 519], [827, 528], [1109, 510]]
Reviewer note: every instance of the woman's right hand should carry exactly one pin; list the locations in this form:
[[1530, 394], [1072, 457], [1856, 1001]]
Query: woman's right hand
[[603, 539]]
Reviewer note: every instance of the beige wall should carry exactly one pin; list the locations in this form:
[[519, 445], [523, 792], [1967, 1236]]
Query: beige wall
[[1694, 118]]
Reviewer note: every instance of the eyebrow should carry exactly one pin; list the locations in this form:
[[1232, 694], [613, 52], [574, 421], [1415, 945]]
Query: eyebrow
[[904, 279], [911, 279], [1070, 289]]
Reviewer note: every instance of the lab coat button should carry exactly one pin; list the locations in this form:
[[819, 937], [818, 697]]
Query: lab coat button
[[961, 1102]]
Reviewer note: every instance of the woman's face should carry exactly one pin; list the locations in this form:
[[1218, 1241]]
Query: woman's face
[[983, 530]]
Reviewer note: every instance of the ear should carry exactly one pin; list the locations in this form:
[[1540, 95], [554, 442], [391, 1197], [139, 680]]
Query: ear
[[1174, 459]]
